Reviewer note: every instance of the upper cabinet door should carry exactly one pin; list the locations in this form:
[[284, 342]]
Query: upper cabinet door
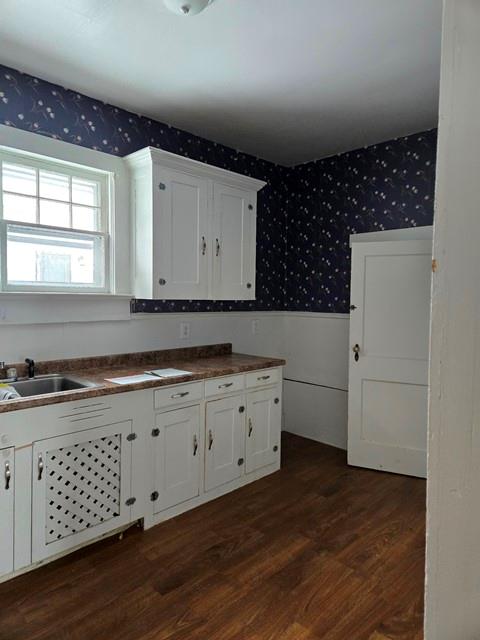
[[180, 235], [234, 232]]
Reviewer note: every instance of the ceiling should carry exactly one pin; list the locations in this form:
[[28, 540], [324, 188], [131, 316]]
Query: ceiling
[[285, 80]]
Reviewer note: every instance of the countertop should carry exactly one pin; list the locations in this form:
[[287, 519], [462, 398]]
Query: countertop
[[204, 362]]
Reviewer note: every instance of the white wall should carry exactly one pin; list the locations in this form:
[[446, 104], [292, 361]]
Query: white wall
[[316, 376], [141, 332], [453, 505], [315, 346]]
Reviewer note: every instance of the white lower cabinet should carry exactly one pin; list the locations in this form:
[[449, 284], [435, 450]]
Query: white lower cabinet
[[81, 487], [78, 478], [7, 471], [176, 457], [225, 441], [263, 429]]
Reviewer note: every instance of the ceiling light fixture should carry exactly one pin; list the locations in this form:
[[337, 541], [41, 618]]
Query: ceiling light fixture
[[186, 7]]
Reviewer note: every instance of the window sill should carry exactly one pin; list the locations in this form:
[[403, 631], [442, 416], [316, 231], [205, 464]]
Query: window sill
[[71, 294], [26, 308]]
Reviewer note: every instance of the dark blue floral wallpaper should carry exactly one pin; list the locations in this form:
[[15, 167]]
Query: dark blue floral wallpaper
[[385, 186], [35, 105], [305, 213]]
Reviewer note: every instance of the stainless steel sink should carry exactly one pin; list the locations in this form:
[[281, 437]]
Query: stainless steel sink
[[54, 383]]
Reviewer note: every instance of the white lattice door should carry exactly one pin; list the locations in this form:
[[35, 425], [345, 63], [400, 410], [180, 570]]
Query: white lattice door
[[81, 487]]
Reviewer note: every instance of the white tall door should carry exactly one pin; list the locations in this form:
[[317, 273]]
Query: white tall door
[[225, 441], [7, 471], [263, 428], [177, 456], [389, 344], [180, 230], [234, 243]]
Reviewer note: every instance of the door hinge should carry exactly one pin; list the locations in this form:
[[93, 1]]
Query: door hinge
[[130, 501], [132, 436], [155, 432], [434, 265], [154, 496]]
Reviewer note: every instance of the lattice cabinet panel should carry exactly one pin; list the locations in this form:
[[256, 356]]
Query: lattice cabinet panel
[[81, 484]]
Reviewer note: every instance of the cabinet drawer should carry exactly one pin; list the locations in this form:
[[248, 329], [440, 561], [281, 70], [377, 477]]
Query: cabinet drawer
[[178, 394], [220, 386], [262, 378]]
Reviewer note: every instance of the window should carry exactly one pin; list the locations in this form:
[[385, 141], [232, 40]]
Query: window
[[53, 225]]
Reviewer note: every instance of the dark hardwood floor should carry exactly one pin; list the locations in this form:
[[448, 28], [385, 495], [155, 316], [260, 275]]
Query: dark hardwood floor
[[316, 551]]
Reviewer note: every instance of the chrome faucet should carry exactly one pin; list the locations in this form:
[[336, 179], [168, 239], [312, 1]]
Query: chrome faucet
[[31, 367]]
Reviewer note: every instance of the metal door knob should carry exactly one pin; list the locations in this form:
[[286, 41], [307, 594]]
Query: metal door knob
[[356, 351]]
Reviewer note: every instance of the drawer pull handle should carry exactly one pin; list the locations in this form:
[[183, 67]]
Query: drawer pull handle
[[204, 246], [250, 427], [225, 385], [210, 439], [195, 444], [40, 466], [8, 475], [263, 378], [182, 394]]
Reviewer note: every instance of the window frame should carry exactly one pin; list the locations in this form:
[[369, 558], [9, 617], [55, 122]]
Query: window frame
[[47, 163]]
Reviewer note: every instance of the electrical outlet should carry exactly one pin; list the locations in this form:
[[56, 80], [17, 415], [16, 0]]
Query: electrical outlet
[[254, 326], [184, 330]]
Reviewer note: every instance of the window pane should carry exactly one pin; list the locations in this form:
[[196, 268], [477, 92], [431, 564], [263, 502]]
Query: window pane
[[85, 192], [38, 256], [85, 218], [54, 185], [56, 214], [19, 208], [20, 179]]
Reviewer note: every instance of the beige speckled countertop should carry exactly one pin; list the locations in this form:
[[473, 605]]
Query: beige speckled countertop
[[204, 362]]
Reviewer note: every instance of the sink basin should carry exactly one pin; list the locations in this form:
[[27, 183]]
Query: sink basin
[[55, 383]]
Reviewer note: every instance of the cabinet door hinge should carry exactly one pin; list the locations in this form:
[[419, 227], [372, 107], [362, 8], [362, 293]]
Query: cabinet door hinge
[[154, 496], [132, 436], [130, 501]]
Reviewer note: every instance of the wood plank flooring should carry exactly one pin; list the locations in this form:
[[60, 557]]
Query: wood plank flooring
[[316, 551]]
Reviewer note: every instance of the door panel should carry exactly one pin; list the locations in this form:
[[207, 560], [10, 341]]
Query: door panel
[[180, 230], [388, 381], [234, 243], [263, 429], [396, 314], [177, 457], [81, 482], [7, 475], [225, 441]]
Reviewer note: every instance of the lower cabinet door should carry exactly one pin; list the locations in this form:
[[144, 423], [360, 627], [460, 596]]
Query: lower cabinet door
[[263, 428], [81, 487], [7, 470], [177, 457], [225, 441]]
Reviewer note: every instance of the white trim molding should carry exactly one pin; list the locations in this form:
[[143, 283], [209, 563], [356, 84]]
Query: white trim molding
[[15, 140]]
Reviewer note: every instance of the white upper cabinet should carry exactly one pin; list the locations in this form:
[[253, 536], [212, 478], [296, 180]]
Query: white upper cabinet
[[194, 229]]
